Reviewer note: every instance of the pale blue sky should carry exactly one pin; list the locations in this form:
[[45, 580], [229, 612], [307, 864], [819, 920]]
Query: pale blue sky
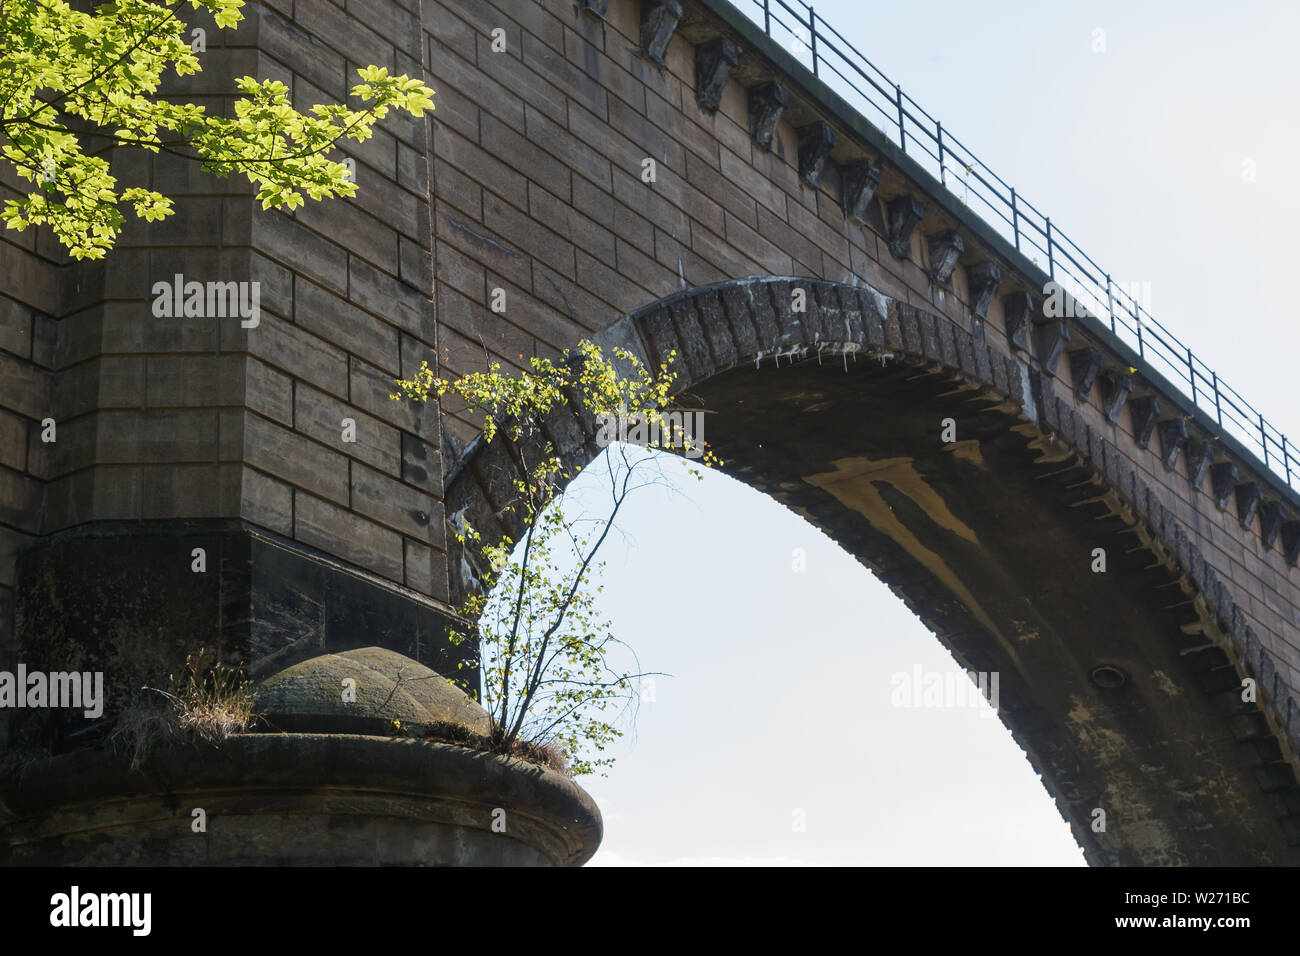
[[781, 696]]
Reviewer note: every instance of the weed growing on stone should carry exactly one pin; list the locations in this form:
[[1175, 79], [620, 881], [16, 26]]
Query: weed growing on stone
[[207, 703]]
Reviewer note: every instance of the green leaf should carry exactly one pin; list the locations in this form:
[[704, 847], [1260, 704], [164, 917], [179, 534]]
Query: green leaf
[[66, 74]]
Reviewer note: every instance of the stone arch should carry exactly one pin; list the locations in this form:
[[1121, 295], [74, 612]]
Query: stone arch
[[836, 411]]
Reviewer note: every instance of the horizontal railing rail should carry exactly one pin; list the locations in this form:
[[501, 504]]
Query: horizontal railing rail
[[797, 27]]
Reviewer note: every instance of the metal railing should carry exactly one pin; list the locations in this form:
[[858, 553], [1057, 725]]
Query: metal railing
[[819, 46]]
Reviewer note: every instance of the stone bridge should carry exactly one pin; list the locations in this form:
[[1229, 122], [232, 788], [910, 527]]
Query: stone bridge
[[664, 177]]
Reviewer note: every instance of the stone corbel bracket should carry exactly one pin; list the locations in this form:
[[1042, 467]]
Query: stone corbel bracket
[[659, 19], [1143, 414], [983, 278], [1115, 393], [1173, 436], [905, 214], [1051, 336], [1018, 308], [1249, 496], [1291, 541], [1270, 523], [1223, 480], [1199, 457], [1085, 363], [714, 62], [816, 141], [860, 182], [767, 101], [945, 248]]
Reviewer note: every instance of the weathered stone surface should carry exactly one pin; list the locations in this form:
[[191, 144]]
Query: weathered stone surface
[[1270, 523], [307, 696], [291, 799], [766, 103], [1173, 436], [714, 62], [910, 324], [948, 342], [851, 325], [945, 248], [1143, 413], [1085, 363], [1200, 455], [983, 362], [997, 362], [1115, 392], [815, 144], [694, 356], [763, 312], [893, 328], [659, 19], [1291, 541], [905, 213], [826, 317], [1019, 310], [1223, 479], [966, 352], [533, 185], [622, 334], [860, 182], [661, 336], [263, 602], [737, 303], [717, 330], [790, 330], [1249, 496], [1050, 339], [873, 317], [983, 278]]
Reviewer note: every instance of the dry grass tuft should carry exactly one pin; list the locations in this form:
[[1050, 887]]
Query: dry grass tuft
[[142, 727], [545, 755], [209, 704], [548, 755]]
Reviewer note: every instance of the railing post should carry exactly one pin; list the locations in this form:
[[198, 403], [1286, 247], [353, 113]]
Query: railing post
[[1191, 374], [1286, 461], [902, 132], [812, 32], [1015, 218], [1110, 304], [939, 127], [1263, 438], [1218, 409], [1138, 316], [1051, 265], [767, 17]]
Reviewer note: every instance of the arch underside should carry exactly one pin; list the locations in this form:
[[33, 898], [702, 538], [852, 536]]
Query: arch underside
[[992, 547], [990, 539]]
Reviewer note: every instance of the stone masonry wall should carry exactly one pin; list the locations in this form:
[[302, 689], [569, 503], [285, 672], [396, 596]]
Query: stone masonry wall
[[526, 179], [538, 154], [170, 418]]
